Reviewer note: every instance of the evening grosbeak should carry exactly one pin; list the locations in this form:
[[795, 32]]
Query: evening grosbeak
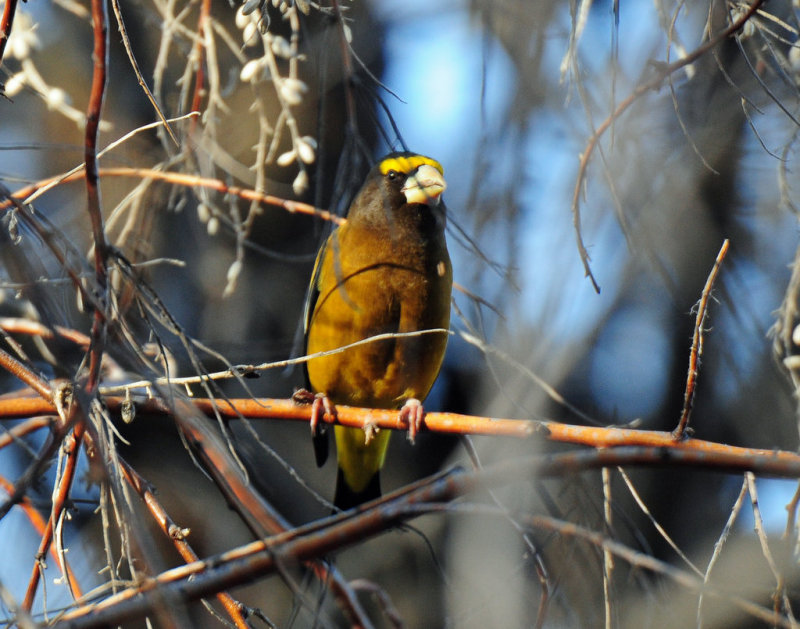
[[386, 270]]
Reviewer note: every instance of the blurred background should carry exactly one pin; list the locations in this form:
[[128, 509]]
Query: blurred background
[[506, 95]]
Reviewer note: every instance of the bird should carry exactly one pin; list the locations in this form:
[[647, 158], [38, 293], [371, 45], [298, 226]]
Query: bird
[[384, 271]]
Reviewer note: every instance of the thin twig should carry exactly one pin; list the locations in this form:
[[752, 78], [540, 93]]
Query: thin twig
[[542, 572], [780, 599], [198, 59], [637, 93], [188, 181], [347, 67], [696, 353], [791, 514], [56, 242], [126, 42], [77, 171], [608, 557], [19, 617], [643, 561], [663, 533], [25, 428], [68, 413], [726, 531], [237, 371]]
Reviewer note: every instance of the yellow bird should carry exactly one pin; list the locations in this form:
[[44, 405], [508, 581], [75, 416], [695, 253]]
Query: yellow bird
[[385, 271]]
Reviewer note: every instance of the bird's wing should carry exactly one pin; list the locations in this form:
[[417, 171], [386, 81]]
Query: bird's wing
[[320, 439], [313, 291]]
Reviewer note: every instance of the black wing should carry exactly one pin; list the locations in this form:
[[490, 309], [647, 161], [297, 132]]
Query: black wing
[[320, 439]]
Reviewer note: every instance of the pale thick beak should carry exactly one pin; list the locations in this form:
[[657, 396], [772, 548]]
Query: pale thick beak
[[424, 186]]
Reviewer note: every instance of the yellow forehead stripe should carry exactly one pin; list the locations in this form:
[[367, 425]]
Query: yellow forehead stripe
[[407, 164]]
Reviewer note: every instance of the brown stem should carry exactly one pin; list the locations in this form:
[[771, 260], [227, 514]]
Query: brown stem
[[256, 512], [697, 345], [38, 523], [778, 462], [17, 369], [321, 537], [183, 179], [73, 444], [199, 57], [178, 537], [94, 112], [6, 22]]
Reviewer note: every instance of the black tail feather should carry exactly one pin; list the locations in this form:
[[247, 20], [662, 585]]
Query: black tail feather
[[321, 447], [345, 498]]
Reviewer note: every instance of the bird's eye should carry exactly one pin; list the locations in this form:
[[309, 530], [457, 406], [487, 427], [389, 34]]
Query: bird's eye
[[393, 175]]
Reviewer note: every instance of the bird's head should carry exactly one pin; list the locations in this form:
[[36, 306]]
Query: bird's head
[[420, 179]]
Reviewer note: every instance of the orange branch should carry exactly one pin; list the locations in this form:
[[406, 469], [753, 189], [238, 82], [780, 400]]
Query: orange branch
[[181, 179], [6, 22], [199, 58], [73, 444], [32, 425], [258, 514], [322, 537], [26, 375], [445, 423], [94, 205], [697, 345], [178, 537], [38, 523]]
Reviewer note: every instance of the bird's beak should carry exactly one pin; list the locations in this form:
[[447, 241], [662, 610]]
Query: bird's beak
[[424, 186]]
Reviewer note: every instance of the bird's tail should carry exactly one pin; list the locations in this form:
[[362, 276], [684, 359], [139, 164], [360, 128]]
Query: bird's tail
[[346, 498]]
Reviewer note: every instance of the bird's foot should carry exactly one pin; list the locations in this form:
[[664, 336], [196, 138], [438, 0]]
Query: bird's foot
[[371, 430], [414, 414], [320, 406], [302, 397]]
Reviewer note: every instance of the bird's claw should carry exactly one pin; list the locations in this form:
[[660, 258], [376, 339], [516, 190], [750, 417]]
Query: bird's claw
[[320, 406], [370, 430], [302, 397], [413, 413]]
